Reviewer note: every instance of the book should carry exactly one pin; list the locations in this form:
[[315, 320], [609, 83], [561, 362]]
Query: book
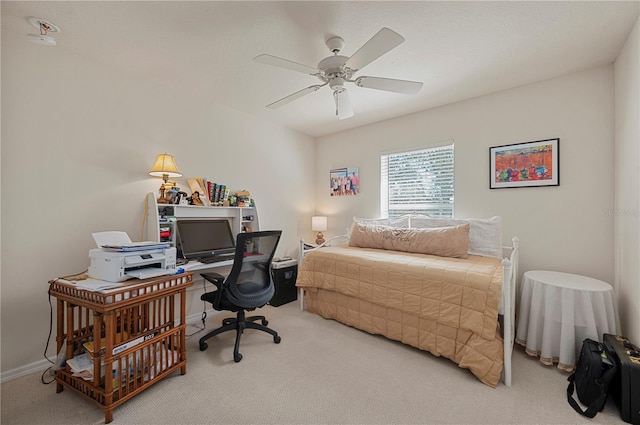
[[120, 348], [119, 337], [211, 190], [216, 197], [203, 191]]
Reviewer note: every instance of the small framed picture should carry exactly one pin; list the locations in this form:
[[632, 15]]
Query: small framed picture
[[344, 181], [525, 164]]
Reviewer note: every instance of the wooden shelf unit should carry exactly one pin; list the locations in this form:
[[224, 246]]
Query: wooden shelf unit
[[142, 330], [241, 218]]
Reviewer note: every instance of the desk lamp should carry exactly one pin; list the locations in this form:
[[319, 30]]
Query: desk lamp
[[165, 167], [319, 224]]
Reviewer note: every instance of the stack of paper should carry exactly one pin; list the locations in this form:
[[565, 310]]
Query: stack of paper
[[120, 241], [82, 366], [96, 285], [136, 246]]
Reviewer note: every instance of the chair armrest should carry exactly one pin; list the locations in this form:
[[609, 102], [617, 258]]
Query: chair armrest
[[218, 281], [215, 278]]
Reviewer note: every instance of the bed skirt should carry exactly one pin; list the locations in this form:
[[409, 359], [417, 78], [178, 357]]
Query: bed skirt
[[484, 358]]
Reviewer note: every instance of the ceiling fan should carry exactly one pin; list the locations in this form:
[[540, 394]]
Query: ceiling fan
[[337, 70]]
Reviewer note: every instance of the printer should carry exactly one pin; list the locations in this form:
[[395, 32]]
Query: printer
[[118, 259], [114, 266]]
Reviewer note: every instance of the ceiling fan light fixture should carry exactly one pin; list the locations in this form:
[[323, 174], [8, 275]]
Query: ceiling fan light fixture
[[344, 109], [335, 70], [336, 84]]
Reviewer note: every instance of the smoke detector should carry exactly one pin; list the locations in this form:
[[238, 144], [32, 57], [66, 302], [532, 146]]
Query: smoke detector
[[45, 27]]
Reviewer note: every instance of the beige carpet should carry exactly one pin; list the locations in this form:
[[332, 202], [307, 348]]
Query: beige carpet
[[322, 372]]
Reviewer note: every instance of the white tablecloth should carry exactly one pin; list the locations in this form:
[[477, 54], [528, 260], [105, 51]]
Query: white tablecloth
[[559, 310]]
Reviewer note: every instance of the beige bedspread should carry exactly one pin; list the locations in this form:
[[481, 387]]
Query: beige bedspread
[[447, 306]]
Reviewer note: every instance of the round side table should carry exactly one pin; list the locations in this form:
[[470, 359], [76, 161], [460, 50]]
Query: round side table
[[560, 310]]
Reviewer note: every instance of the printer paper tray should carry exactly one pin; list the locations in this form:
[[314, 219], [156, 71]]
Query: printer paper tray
[[148, 273]]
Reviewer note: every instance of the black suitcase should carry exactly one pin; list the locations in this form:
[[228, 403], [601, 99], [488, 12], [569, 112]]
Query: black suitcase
[[625, 387]]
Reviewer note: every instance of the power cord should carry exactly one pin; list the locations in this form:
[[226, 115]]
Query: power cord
[[204, 314], [49, 371]]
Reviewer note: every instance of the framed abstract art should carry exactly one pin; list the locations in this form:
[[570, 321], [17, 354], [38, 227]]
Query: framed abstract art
[[525, 164]]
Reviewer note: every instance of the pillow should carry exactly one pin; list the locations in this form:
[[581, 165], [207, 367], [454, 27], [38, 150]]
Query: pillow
[[485, 235], [442, 241], [402, 221]]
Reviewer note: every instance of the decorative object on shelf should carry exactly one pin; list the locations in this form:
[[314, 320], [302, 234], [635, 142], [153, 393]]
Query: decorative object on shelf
[[319, 224], [165, 167], [344, 181], [197, 184], [525, 164], [194, 199], [243, 198]]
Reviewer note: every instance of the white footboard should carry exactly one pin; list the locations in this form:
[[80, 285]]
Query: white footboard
[[508, 305]]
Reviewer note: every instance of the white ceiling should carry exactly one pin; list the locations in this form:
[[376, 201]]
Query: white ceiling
[[458, 49]]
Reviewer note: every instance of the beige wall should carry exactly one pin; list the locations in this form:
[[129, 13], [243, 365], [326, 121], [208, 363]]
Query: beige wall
[[77, 142], [566, 228], [627, 176]]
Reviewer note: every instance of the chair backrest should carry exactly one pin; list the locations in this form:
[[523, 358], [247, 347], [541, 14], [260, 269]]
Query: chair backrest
[[249, 284]]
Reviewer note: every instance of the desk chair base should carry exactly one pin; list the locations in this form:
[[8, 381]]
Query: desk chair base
[[240, 323]]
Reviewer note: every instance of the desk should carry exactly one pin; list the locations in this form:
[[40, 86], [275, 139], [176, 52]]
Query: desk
[[141, 328], [194, 266], [559, 310]]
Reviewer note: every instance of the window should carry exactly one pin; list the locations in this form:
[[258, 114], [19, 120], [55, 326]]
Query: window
[[418, 182]]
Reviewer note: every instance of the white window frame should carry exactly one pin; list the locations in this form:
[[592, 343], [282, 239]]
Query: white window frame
[[440, 205]]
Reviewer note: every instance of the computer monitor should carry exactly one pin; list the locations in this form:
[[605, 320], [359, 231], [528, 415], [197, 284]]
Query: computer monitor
[[197, 239]]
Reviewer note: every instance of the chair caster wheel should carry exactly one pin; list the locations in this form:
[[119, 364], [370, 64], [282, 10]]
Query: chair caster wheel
[[237, 357], [265, 322], [203, 346], [277, 339]]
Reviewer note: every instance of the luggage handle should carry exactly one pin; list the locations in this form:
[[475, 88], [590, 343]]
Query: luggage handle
[[598, 404]]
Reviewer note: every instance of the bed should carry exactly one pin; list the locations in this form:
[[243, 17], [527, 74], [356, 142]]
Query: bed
[[446, 286]]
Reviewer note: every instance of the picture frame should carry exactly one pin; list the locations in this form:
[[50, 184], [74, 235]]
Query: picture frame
[[344, 182], [528, 164]]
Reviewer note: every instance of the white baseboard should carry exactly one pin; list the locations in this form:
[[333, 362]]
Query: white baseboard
[[21, 371], [43, 364]]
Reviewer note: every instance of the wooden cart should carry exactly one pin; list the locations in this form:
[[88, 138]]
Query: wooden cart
[[141, 332]]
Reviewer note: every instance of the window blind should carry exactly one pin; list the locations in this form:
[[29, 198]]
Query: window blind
[[418, 182]]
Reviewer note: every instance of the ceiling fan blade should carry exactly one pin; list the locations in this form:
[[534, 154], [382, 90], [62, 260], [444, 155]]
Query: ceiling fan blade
[[286, 64], [344, 109], [389, 84], [293, 96], [382, 42]]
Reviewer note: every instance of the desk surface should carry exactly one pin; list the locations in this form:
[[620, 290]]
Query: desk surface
[[193, 266], [559, 310]]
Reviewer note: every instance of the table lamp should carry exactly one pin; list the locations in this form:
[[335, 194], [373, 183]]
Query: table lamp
[[319, 224], [165, 167]]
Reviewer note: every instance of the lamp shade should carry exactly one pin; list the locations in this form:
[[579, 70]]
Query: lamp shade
[[319, 223], [165, 165]]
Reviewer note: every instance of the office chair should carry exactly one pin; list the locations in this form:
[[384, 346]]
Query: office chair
[[248, 286]]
